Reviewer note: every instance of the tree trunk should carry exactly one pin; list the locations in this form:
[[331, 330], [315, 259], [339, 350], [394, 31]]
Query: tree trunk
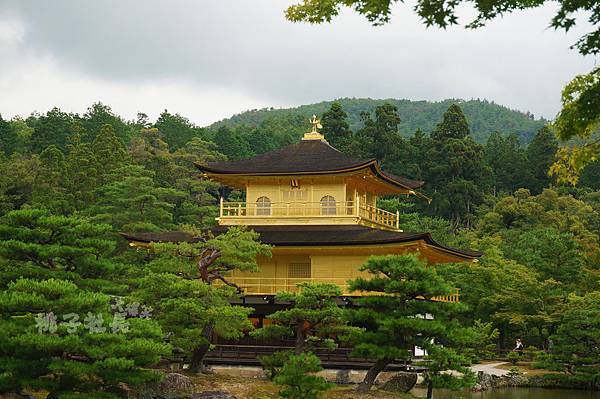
[[300, 338], [197, 360], [372, 374], [430, 389]]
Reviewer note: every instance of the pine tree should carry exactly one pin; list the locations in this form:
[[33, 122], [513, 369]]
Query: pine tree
[[63, 332], [298, 378], [131, 201], [335, 126], [182, 287], [314, 317], [393, 315], [576, 343]]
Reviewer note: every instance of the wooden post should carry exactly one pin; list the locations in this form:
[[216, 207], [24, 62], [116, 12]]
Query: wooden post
[[397, 219], [221, 207], [357, 204]]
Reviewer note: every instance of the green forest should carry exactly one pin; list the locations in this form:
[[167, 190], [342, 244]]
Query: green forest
[[70, 183]]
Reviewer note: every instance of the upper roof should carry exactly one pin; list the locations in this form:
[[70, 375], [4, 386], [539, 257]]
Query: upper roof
[[308, 157], [307, 235]]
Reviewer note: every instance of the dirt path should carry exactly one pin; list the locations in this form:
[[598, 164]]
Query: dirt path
[[490, 368]]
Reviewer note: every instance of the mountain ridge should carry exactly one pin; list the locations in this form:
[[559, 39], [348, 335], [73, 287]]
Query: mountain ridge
[[484, 117]]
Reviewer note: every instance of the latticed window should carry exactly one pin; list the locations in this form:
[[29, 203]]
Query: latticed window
[[328, 205], [263, 206], [299, 270]]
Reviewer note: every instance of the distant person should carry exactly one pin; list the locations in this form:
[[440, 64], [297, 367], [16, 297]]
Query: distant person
[[519, 345]]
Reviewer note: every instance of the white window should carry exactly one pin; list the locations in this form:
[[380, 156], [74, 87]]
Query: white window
[[296, 195], [263, 206], [328, 205]]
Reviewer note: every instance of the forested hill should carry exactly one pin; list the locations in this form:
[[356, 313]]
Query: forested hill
[[484, 117]]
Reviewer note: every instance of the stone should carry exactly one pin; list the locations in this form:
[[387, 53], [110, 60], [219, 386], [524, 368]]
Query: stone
[[400, 382], [213, 395], [342, 377]]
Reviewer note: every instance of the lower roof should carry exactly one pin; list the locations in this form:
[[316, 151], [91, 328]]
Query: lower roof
[[302, 235]]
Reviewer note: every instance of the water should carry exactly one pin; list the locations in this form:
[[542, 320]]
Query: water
[[509, 393]]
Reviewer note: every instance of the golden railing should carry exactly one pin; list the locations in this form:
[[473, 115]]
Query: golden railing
[[378, 216], [274, 285], [236, 210]]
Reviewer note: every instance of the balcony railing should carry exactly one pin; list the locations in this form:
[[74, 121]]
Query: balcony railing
[[295, 210], [274, 285]]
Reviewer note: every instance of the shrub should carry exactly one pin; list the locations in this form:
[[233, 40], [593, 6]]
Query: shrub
[[514, 357], [514, 372], [272, 364], [297, 378]]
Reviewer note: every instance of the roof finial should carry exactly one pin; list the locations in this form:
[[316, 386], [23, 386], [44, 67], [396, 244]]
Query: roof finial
[[314, 133]]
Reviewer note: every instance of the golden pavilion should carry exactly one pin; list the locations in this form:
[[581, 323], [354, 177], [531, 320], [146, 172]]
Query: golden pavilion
[[317, 208]]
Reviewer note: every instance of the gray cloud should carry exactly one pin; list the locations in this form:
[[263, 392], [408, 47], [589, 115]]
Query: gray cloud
[[212, 58]]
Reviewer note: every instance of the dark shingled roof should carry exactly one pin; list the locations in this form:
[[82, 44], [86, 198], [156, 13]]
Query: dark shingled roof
[[302, 235], [305, 157]]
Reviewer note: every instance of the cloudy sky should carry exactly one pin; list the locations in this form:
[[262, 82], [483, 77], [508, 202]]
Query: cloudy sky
[[210, 59]]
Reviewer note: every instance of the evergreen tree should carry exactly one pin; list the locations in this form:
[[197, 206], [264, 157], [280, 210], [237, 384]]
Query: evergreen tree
[[98, 116], [49, 183], [507, 162], [23, 134], [400, 290], [183, 288], [261, 141], [17, 177], [152, 152], [335, 126], [576, 343], [61, 335], [109, 152], [540, 155], [553, 254], [176, 129], [192, 313], [298, 378], [231, 143], [8, 137], [456, 170], [453, 126], [198, 206], [379, 136], [82, 173], [590, 176], [131, 201], [54, 128], [314, 317]]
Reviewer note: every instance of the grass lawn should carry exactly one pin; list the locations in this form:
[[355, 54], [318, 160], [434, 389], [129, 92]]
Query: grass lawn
[[527, 369]]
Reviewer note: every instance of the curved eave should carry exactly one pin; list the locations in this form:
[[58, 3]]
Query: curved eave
[[372, 165], [311, 240], [216, 171]]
